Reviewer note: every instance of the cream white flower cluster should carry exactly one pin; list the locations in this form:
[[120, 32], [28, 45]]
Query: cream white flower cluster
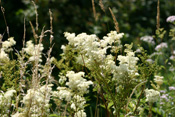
[[127, 65], [36, 102], [80, 113], [6, 47], [158, 79], [5, 102], [63, 93], [77, 82], [34, 51], [152, 95], [91, 48], [77, 86], [93, 51]]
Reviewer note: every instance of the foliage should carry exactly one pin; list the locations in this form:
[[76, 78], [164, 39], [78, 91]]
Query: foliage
[[123, 82]]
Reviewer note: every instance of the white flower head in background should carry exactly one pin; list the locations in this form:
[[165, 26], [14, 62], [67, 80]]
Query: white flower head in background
[[158, 79], [34, 51], [148, 39], [3, 56], [171, 19], [152, 95], [80, 113], [9, 43], [161, 46]]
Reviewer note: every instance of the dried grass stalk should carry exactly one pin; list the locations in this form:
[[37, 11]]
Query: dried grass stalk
[[34, 33], [24, 35], [94, 11], [101, 5], [36, 12], [7, 28], [115, 21], [158, 15], [51, 26]]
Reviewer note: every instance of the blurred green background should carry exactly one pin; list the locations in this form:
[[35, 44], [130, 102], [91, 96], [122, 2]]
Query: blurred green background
[[136, 18]]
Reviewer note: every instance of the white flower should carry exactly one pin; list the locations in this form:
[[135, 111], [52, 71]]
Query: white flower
[[63, 93], [76, 81], [70, 37], [170, 19], [12, 41], [80, 113], [111, 38], [9, 94], [155, 53], [152, 95], [83, 87], [38, 100], [158, 79], [63, 47], [3, 55], [138, 51], [52, 59], [34, 51], [7, 44], [161, 46], [172, 57], [150, 61], [148, 39], [73, 106], [17, 114]]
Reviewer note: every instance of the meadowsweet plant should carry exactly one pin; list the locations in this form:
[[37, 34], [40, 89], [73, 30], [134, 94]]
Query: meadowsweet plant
[[73, 94], [6, 102], [114, 75], [96, 75]]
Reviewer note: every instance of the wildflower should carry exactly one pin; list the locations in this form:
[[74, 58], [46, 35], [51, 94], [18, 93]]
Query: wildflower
[[80, 113], [3, 55], [9, 94], [34, 50], [52, 59], [170, 19], [148, 39], [63, 47], [164, 96], [38, 99], [150, 61], [155, 53], [162, 91], [158, 79], [171, 88], [152, 95], [76, 81], [63, 93], [17, 114], [10, 42], [172, 57], [161, 46], [138, 51]]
